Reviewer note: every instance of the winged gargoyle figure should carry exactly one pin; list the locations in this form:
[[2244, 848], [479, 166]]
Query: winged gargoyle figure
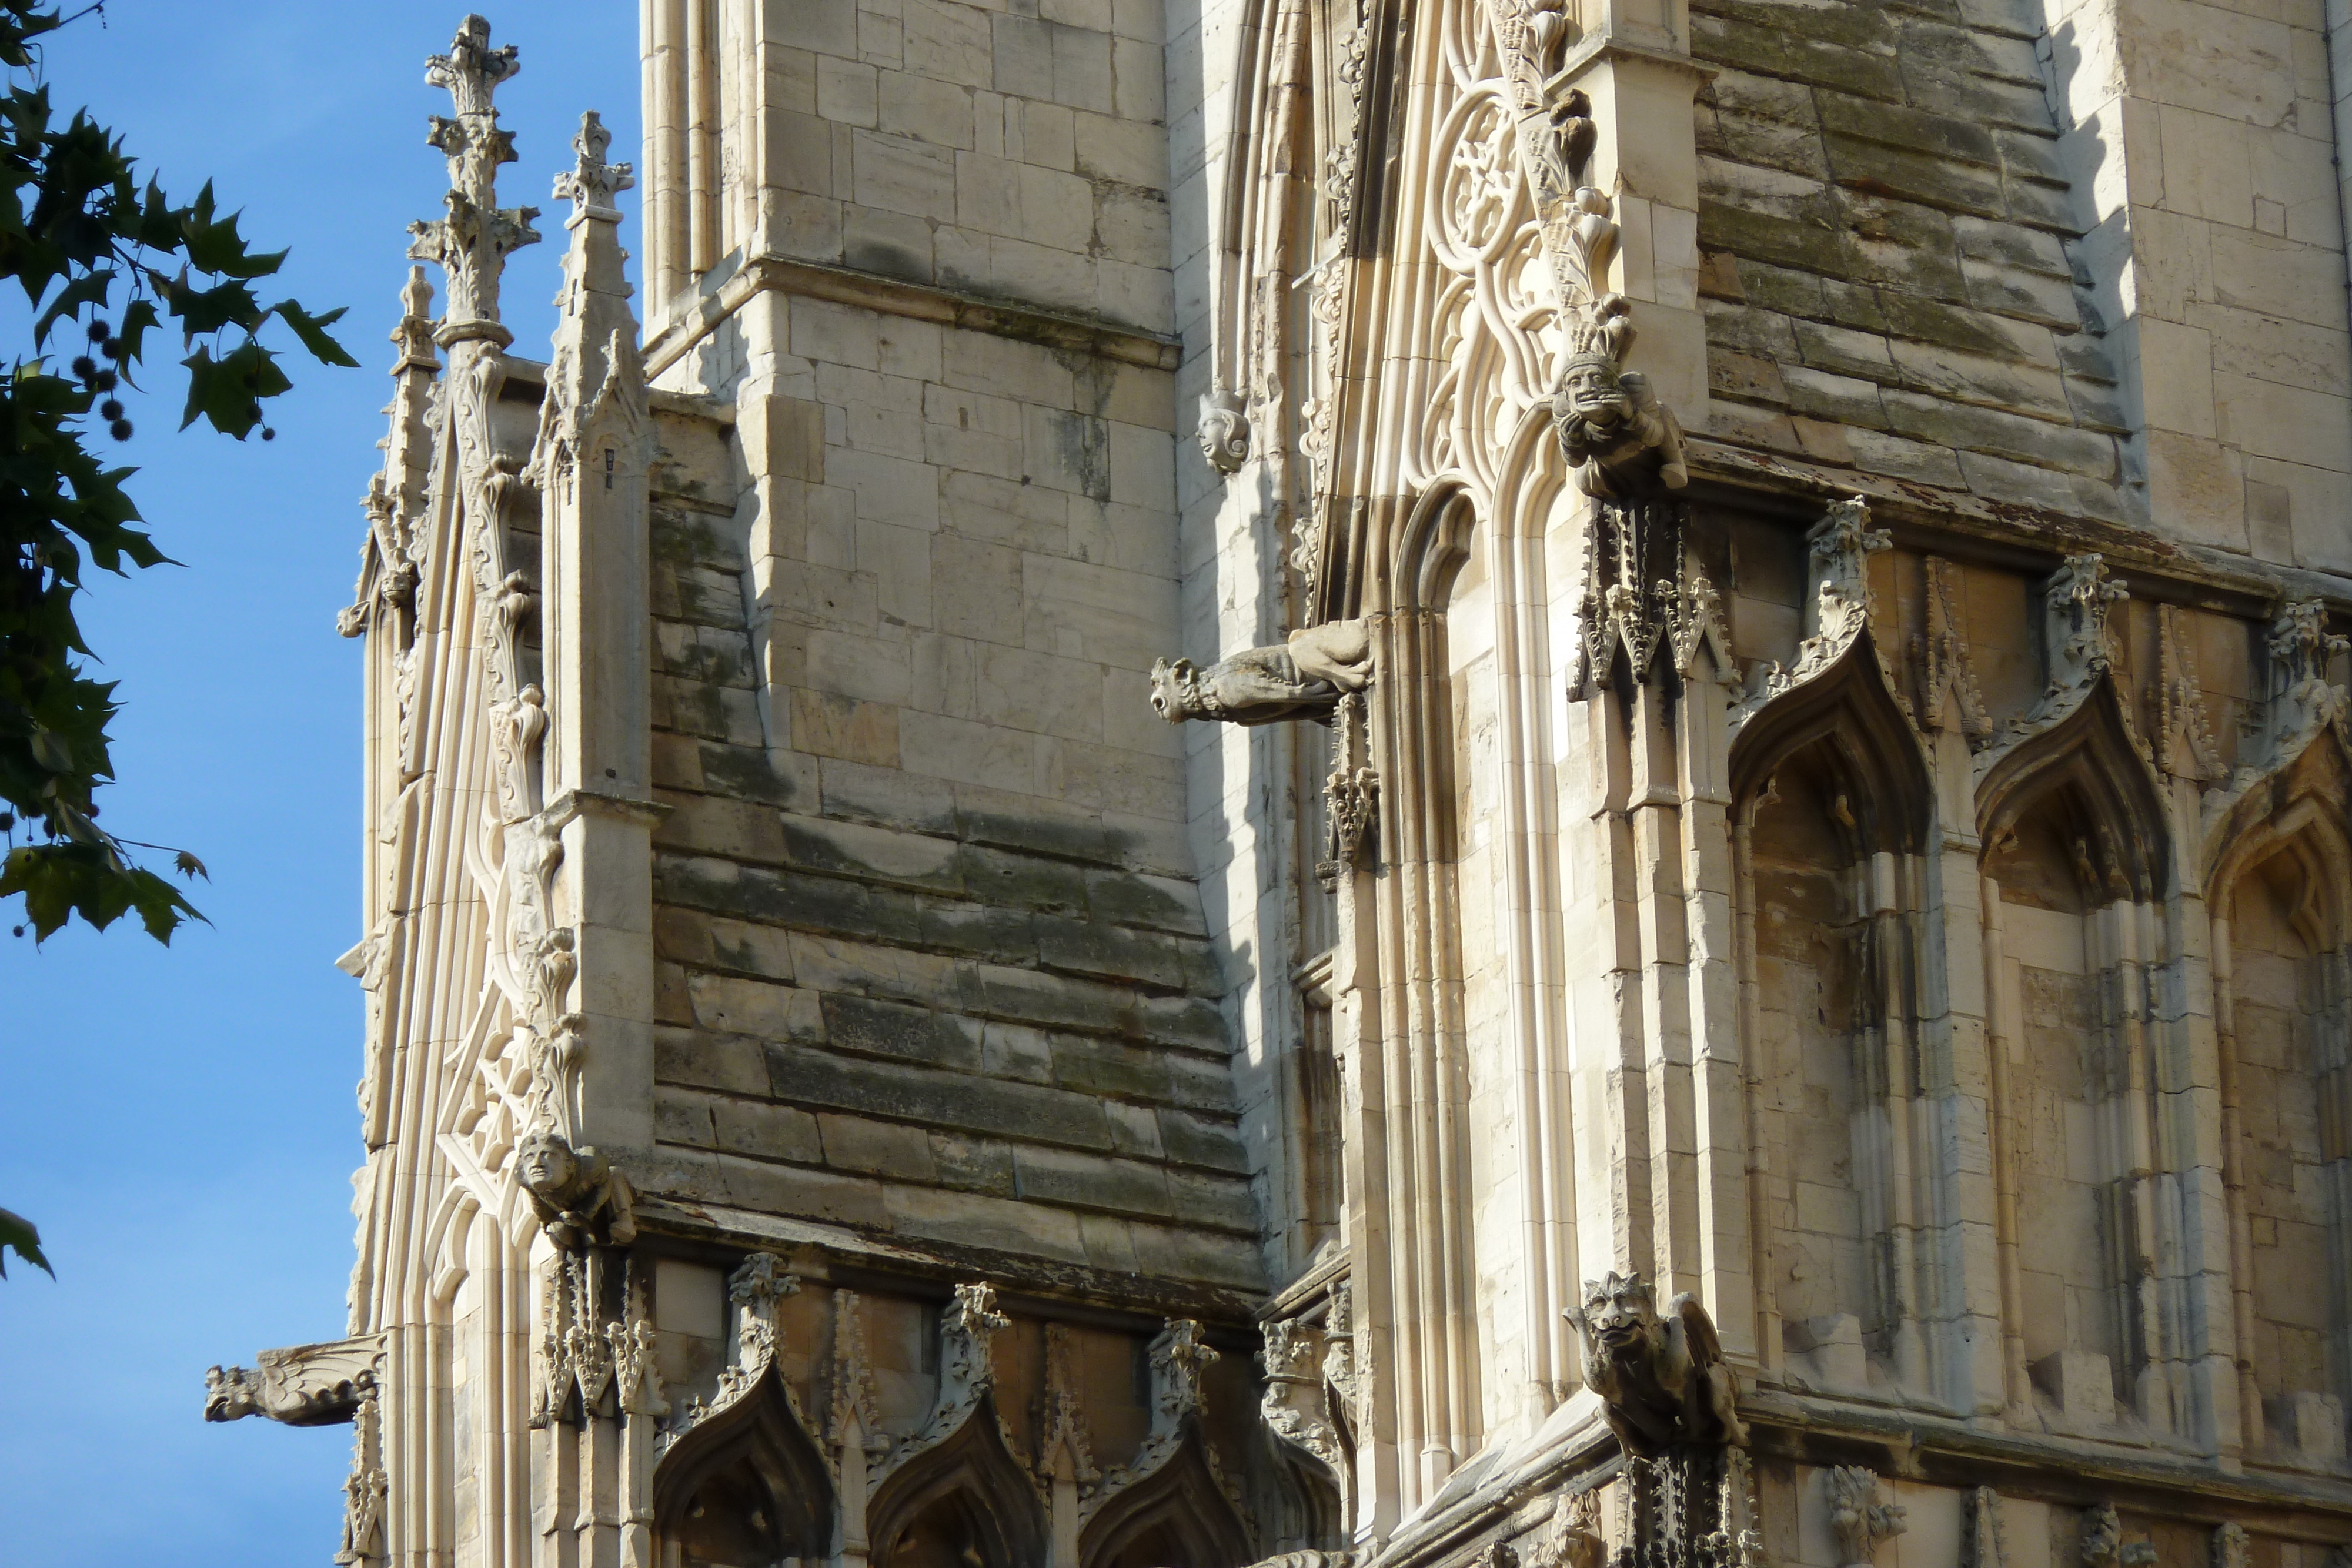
[[1662, 1380]]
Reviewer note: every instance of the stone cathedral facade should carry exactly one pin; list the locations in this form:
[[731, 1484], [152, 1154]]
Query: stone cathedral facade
[[1364, 783]]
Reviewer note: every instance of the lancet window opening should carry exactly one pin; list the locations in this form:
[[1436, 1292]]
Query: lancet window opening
[[2280, 912]]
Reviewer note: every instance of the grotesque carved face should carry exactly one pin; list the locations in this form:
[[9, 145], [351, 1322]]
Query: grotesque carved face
[[1619, 1310], [228, 1395], [1591, 393], [1174, 696], [548, 1164]]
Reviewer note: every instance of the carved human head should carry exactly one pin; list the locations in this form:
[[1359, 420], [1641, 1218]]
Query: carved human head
[[1618, 1309], [1590, 391], [549, 1167], [1590, 387], [1225, 432]]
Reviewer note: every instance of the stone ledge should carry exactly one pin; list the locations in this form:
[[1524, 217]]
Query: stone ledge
[[917, 301], [846, 1255]]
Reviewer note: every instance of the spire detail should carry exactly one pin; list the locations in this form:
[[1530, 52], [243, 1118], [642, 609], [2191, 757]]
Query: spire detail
[[471, 243]]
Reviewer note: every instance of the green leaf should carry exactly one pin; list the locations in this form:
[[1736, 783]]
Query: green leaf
[[312, 331], [227, 391], [200, 311], [217, 247], [62, 880], [50, 750], [22, 1237], [91, 288]]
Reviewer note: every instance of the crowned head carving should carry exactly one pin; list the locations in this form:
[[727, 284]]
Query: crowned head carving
[[1225, 431], [1623, 442]]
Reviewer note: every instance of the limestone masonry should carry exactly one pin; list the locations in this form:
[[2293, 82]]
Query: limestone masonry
[[1363, 784]]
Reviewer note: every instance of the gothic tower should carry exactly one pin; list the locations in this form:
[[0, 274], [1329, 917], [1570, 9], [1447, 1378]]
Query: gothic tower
[[1733, 946]]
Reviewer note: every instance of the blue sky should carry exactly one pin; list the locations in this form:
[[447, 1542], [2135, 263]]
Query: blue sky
[[181, 1122]]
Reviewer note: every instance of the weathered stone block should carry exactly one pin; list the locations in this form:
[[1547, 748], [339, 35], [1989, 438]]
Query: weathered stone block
[[766, 1131], [905, 1033], [702, 1061], [930, 1098], [876, 1148], [1118, 1187]]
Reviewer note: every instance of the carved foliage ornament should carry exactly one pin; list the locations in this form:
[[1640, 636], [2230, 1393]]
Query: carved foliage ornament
[[1859, 1517], [1295, 1407], [755, 1288], [968, 1331], [2302, 650], [2077, 602], [1645, 592], [1177, 1357], [366, 1490], [1838, 551], [2104, 1545]]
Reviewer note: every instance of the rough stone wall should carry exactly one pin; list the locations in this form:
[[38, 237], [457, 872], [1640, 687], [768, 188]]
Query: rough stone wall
[[929, 963], [1884, 223], [1015, 151]]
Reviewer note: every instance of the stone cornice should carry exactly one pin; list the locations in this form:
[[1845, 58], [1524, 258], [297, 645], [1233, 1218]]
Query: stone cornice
[[861, 1260], [1574, 1448], [917, 301]]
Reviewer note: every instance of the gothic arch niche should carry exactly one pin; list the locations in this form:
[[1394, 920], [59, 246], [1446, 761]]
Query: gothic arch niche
[[1176, 1516], [1832, 805], [745, 1486], [2283, 1015], [2074, 861], [965, 1502]]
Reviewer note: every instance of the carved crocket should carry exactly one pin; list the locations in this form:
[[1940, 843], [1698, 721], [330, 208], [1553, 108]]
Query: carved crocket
[[1662, 1380]]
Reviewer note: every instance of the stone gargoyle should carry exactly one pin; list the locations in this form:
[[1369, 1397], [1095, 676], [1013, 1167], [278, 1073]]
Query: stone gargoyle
[[1662, 1380], [1623, 444], [576, 1194], [1299, 678], [302, 1385]]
